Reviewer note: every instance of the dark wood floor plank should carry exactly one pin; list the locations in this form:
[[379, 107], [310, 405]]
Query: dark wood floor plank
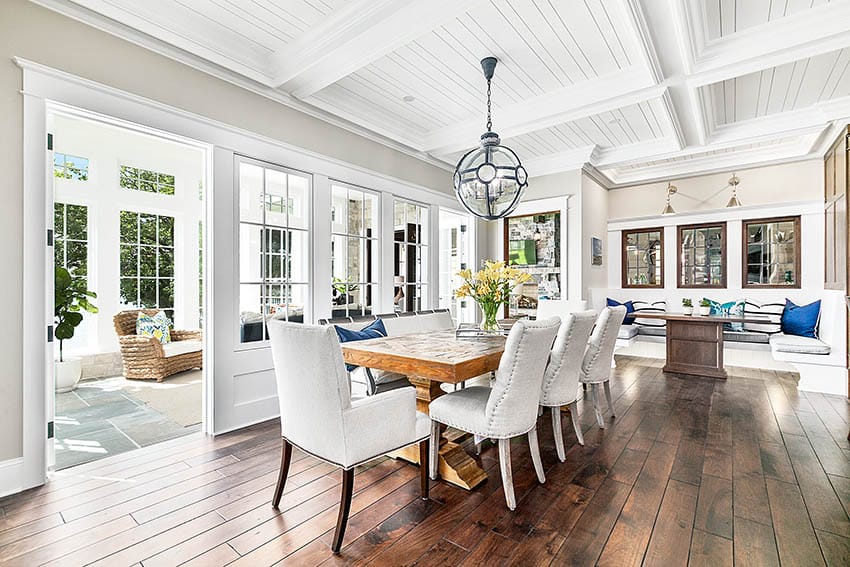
[[832, 458], [714, 507], [495, 549], [836, 549], [822, 503], [219, 555], [795, 536], [670, 540], [709, 550], [755, 545], [630, 535], [775, 462]]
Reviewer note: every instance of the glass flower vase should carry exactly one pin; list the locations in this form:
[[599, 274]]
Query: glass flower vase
[[490, 311]]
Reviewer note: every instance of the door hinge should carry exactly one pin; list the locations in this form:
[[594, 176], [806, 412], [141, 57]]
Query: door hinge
[[50, 141], [50, 333], [50, 430], [463, 265], [50, 237], [463, 228]]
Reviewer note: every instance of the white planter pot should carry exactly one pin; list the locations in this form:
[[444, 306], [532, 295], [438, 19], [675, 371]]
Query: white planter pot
[[704, 310], [67, 373], [688, 310]]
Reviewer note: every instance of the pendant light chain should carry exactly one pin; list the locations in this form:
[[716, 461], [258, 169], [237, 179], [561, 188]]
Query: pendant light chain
[[489, 118]]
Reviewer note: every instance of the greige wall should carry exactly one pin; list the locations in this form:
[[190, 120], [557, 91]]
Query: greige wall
[[35, 33], [594, 222], [789, 182]]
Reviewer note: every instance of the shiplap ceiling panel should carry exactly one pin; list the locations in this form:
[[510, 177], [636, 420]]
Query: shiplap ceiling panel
[[788, 87], [726, 17], [621, 84]]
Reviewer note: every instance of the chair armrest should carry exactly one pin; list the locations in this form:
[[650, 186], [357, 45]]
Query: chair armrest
[[193, 335], [380, 423], [136, 346]]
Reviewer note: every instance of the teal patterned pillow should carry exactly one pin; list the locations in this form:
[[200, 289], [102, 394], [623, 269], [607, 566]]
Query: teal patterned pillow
[[158, 326], [735, 308]]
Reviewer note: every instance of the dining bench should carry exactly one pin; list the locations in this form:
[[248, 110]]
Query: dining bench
[[396, 324]]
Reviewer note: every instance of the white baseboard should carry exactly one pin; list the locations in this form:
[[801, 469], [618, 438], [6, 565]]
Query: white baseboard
[[11, 476], [822, 379]]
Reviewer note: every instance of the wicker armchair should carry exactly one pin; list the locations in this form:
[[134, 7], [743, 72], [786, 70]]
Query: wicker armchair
[[144, 357]]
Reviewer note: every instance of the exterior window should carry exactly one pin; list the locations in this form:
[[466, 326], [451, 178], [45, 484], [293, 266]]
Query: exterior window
[[70, 242], [702, 255], [147, 261], [772, 252], [274, 247], [145, 180], [354, 251], [643, 258], [70, 167], [410, 257]]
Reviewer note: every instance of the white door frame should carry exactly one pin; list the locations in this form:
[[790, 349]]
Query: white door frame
[[42, 84]]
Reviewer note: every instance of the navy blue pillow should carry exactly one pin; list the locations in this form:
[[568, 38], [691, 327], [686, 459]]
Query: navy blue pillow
[[801, 320], [373, 330], [630, 308]]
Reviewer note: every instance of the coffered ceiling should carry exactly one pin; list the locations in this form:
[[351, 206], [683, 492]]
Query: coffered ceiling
[[640, 90]]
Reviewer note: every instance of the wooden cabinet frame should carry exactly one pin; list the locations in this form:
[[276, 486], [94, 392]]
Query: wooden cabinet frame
[[624, 259], [679, 271], [744, 252]]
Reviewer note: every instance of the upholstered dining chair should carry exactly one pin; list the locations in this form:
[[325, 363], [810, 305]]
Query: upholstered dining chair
[[596, 366], [509, 408], [318, 416], [560, 381]]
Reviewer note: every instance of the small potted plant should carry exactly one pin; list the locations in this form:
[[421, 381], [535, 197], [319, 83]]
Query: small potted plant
[[705, 307], [70, 297], [687, 306]]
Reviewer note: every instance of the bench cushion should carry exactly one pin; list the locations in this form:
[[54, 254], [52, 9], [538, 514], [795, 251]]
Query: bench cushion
[[653, 331], [800, 345], [746, 337], [627, 332]]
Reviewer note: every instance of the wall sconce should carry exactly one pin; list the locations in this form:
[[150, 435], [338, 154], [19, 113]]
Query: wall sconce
[[668, 209], [733, 182]]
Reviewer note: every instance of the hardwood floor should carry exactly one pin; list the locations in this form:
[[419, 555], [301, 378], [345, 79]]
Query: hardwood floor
[[691, 472]]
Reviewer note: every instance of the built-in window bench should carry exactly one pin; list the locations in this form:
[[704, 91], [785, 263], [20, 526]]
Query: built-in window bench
[[821, 362]]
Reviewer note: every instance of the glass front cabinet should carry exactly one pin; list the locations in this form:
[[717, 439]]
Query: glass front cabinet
[[643, 258], [771, 254], [702, 255]]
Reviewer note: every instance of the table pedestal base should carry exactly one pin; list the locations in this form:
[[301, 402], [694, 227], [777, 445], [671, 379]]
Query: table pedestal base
[[455, 466], [695, 347]]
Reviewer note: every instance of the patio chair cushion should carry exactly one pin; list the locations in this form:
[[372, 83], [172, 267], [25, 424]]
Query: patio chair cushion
[[158, 326], [176, 348]]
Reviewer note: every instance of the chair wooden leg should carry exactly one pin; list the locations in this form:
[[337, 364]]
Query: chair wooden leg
[[607, 385], [434, 461], [576, 424], [594, 395], [423, 468], [507, 478], [344, 509], [534, 448], [285, 459], [559, 435]]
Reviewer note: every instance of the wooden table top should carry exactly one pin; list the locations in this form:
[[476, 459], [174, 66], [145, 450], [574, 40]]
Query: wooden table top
[[437, 356], [702, 318]]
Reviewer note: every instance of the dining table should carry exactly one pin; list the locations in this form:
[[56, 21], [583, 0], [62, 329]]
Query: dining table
[[429, 360]]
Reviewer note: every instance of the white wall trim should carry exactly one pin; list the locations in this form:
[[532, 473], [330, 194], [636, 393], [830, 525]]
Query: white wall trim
[[11, 476]]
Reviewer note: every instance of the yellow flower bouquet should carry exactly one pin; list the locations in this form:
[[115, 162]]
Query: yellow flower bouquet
[[490, 288]]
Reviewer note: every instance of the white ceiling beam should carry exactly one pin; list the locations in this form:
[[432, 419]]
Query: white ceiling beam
[[354, 36], [561, 161], [808, 33], [587, 98]]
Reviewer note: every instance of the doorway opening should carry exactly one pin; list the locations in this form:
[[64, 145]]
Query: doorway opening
[[128, 264]]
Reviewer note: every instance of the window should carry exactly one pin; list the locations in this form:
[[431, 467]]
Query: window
[[70, 240], [643, 258], [454, 256], [273, 246], [354, 250], [70, 167], [410, 256], [702, 255], [147, 261], [772, 252], [145, 180]]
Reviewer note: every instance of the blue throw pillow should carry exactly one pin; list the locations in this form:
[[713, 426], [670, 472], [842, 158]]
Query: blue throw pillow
[[373, 330], [630, 308], [734, 308], [801, 320]]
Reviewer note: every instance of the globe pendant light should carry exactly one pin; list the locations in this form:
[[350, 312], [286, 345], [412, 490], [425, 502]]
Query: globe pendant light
[[490, 179]]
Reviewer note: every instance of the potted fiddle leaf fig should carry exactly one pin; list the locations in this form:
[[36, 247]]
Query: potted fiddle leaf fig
[[70, 299]]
